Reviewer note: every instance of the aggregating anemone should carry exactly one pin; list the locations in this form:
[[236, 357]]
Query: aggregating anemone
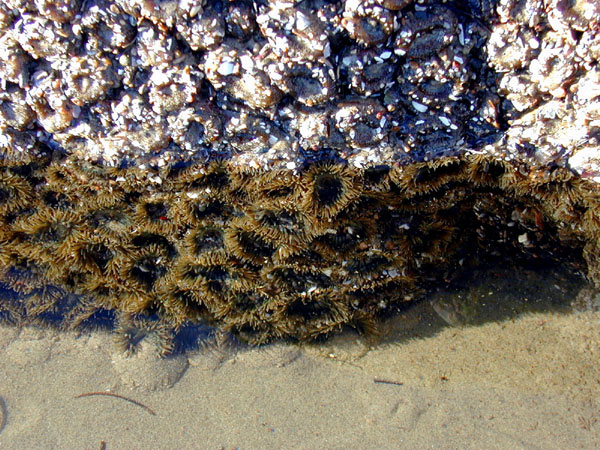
[[283, 169]]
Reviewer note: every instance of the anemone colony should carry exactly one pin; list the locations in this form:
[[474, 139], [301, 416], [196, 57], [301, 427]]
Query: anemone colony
[[283, 168]]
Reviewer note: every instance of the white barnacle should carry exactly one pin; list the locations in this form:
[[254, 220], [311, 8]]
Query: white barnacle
[[227, 68], [445, 121], [419, 106]]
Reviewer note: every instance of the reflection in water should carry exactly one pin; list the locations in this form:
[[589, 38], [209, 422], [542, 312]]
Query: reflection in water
[[494, 294]]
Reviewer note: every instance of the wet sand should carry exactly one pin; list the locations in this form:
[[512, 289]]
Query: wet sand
[[527, 382]]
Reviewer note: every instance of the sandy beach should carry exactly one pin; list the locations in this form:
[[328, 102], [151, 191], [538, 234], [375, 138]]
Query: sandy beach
[[527, 382]]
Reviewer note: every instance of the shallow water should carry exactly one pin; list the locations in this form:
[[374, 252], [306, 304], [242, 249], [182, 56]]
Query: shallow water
[[500, 359]]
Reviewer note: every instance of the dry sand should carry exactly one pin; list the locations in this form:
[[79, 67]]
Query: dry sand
[[527, 382]]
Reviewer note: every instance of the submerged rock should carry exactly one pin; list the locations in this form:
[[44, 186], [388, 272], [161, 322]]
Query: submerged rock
[[283, 168]]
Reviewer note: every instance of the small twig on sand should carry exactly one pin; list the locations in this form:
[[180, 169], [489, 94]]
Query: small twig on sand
[[382, 381], [3, 414], [112, 394]]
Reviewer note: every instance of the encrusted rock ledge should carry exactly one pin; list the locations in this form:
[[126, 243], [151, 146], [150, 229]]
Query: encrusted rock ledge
[[283, 169]]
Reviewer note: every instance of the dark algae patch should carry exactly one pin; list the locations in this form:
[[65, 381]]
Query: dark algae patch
[[283, 170]]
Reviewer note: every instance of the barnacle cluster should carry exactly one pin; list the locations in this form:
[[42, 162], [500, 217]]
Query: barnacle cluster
[[285, 168]]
